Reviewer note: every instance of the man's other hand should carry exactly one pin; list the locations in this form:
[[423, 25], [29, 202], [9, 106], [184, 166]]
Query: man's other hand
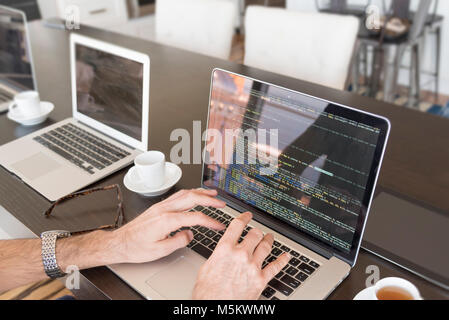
[[234, 270]]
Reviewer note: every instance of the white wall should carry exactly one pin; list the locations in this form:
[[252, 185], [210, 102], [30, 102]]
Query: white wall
[[428, 60], [48, 8]]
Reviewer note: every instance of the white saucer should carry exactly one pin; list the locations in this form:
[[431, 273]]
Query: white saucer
[[172, 175], [366, 294], [46, 108]]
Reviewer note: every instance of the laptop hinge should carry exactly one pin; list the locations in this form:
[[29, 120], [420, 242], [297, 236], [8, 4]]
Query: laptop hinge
[[9, 90], [351, 263], [272, 224], [104, 134]]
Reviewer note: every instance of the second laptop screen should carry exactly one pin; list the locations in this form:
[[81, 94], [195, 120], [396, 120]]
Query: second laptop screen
[[109, 90], [15, 55]]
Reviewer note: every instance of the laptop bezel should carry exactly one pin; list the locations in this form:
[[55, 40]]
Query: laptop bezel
[[28, 43], [144, 59], [282, 227]]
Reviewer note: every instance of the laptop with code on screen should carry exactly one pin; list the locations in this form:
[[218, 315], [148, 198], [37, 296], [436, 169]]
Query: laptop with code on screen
[[305, 167]]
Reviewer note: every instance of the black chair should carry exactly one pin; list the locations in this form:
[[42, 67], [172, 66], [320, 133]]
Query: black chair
[[341, 7], [30, 7], [394, 51]]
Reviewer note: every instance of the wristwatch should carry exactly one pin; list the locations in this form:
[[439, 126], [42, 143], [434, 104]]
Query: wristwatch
[[51, 266]]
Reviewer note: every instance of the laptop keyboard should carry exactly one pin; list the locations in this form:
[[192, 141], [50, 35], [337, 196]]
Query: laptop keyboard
[[82, 148], [283, 284]]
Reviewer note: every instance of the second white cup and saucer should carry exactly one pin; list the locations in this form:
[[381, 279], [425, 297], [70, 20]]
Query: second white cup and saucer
[[390, 289], [28, 110], [151, 175]]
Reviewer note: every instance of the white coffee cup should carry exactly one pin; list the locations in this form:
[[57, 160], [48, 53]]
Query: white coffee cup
[[151, 168], [27, 103], [400, 283]]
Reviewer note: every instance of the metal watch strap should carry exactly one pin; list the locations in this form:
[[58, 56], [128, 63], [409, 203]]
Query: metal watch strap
[[48, 239]]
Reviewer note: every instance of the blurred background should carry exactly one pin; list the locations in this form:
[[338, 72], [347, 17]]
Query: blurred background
[[399, 53]]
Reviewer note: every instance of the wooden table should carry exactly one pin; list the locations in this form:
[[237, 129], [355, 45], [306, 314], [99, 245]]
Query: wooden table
[[416, 162]]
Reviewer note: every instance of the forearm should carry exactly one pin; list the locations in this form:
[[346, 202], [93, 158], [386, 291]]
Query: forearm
[[20, 263], [141, 240], [21, 260], [94, 249]]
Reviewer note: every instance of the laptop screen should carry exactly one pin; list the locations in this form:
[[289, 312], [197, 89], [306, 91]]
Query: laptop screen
[[109, 89], [305, 162], [15, 56]]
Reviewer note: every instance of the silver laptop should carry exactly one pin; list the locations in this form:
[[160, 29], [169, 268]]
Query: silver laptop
[[16, 62], [311, 185], [109, 127]]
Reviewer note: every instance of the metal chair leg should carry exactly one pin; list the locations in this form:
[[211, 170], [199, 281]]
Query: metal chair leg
[[392, 67], [418, 76], [437, 63], [399, 55], [356, 68], [411, 86], [365, 64], [414, 82]]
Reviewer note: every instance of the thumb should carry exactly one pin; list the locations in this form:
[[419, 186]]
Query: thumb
[[179, 240]]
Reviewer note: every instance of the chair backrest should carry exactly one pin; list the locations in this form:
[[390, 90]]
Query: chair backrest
[[338, 5], [204, 26], [401, 8], [315, 47], [420, 19]]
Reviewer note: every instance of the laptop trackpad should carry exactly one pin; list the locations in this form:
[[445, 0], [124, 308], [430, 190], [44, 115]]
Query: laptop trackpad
[[177, 280], [35, 166]]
